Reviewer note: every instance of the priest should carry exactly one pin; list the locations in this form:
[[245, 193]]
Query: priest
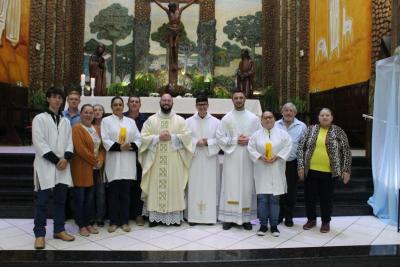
[[204, 175], [165, 155], [237, 202]]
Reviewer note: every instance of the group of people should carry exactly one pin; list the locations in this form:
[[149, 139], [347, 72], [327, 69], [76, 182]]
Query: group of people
[[167, 169]]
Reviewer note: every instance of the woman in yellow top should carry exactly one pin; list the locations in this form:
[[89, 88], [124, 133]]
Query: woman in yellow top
[[323, 155]]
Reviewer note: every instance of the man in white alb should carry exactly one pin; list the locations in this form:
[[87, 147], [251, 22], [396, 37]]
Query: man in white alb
[[204, 175], [237, 202]]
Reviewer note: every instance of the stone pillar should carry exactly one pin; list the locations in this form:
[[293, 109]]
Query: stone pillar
[[206, 36], [141, 36]]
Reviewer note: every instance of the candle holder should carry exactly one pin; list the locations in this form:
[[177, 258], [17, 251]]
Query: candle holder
[[92, 91]]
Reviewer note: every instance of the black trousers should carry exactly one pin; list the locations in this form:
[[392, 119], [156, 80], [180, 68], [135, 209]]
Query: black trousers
[[136, 203], [119, 201], [288, 201], [319, 185]]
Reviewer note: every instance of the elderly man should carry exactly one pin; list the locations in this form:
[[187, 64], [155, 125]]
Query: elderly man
[[237, 203], [204, 170], [296, 130], [166, 154]]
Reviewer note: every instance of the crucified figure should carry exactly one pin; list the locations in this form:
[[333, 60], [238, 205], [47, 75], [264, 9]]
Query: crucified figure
[[174, 30]]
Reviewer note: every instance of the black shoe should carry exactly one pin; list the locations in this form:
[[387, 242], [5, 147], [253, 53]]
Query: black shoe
[[226, 225], [153, 224], [289, 222], [280, 219], [247, 226], [274, 231], [100, 223], [192, 224], [176, 224], [263, 230]]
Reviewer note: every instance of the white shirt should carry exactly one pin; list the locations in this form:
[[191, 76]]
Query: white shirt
[[119, 164]]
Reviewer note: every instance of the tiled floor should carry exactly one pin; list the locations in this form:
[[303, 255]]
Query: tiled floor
[[16, 234]]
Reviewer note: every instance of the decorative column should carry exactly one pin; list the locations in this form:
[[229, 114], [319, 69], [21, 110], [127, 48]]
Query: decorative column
[[141, 36]]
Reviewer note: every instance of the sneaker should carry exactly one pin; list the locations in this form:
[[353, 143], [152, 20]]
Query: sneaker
[[289, 222], [92, 230], [310, 224], [325, 228], [226, 225], [274, 231], [247, 226], [263, 229], [83, 231], [112, 228], [126, 228]]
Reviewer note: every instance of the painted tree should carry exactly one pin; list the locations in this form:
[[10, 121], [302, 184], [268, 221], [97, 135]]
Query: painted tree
[[246, 30], [123, 62], [114, 24]]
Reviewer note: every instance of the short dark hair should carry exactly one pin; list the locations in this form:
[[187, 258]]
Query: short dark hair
[[86, 105], [135, 96], [238, 91], [201, 98], [115, 98], [55, 91]]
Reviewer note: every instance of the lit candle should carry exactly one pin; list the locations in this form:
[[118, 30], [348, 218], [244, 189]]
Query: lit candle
[[83, 79], [122, 135], [92, 82], [268, 150]]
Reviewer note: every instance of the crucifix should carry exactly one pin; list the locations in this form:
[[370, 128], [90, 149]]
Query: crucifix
[[174, 30]]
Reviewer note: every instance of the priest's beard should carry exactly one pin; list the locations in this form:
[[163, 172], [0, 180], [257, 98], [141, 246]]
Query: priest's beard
[[166, 109]]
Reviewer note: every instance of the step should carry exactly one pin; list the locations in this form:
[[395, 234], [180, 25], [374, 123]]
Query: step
[[16, 158]]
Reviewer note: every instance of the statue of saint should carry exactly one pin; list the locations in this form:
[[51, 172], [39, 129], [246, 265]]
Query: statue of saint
[[97, 70], [174, 30], [245, 74]]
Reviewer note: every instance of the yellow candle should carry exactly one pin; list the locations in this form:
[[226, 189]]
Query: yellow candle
[[268, 150], [122, 135]]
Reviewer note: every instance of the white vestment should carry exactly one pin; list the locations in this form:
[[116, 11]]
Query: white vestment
[[204, 175], [270, 178], [47, 136], [119, 165], [165, 167], [238, 199]]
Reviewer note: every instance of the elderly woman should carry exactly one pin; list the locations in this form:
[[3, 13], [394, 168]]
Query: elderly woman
[[323, 155], [121, 139], [88, 155], [269, 149], [98, 176]]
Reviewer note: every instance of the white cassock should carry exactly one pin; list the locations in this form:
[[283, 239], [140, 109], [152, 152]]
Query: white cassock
[[48, 136], [270, 177], [204, 173], [119, 164], [238, 199]]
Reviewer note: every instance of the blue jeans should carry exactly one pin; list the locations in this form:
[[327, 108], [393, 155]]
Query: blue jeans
[[42, 198], [119, 201], [268, 209], [84, 209], [99, 198]]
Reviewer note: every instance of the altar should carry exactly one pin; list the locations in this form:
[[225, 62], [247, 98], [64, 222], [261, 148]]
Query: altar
[[182, 105]]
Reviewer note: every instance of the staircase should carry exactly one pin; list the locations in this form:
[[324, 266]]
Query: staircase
[[17, 195]]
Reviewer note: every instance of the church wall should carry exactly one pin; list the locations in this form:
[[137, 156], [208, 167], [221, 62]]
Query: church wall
[[14, 59]]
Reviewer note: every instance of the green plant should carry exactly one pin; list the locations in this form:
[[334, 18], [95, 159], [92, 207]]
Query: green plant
[[221, 92], [144, 84], [269, 99], [201, 85], [301, 105], [227, 82], [118, 89], [38, 99]]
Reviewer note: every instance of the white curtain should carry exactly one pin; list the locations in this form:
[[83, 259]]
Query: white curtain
[[13, 22], [3, 13], [386, 139]]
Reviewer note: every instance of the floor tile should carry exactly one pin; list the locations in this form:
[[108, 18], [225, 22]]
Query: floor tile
[[142, 247], [59, 244], [194, 246], [145, 234], [15, 241], [217, 242], [192, 234], [117, 242], [293, 244], [168, 242], [88, 246], [4, 224]]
